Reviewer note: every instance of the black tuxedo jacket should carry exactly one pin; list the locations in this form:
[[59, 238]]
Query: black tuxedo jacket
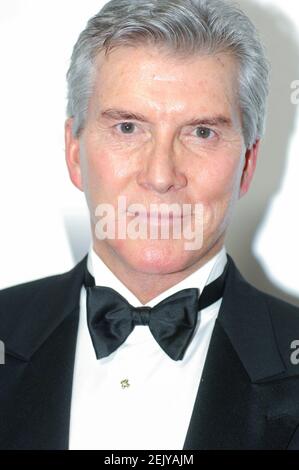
[[248, 397]]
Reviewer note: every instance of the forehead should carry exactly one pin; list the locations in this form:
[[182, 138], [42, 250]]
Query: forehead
[[151, 76]]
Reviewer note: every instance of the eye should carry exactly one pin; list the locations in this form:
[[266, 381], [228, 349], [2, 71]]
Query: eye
[[204, 132], [126, 127]]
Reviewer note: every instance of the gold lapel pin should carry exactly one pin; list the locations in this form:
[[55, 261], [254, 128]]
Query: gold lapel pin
[[125, 383]]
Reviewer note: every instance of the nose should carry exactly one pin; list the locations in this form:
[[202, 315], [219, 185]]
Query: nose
[[160, 172]]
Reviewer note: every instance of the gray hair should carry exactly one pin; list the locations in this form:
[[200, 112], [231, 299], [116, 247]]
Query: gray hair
[[184, 27]]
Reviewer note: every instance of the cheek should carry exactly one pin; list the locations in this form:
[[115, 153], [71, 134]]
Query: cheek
[[218, 189], [218, 180], [103, 174]]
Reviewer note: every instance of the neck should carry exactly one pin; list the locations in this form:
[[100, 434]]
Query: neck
[[147, 286]]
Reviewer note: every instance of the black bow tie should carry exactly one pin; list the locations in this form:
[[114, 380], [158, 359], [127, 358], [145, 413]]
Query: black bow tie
[[111, 318]]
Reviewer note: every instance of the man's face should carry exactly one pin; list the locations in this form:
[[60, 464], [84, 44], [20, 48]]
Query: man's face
[[162, 129]]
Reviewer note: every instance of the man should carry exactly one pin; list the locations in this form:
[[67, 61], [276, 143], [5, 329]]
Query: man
[[155, 342]]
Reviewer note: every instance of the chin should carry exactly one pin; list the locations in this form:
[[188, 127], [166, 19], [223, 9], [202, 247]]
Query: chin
[[155, 257]]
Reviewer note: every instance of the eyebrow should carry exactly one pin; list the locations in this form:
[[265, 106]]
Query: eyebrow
[[118, 114]]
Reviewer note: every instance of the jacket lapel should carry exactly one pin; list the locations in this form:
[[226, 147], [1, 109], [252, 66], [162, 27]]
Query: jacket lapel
[[38, 373], [231, 410]]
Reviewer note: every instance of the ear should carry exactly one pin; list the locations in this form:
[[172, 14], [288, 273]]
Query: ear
[[72, 154], [249, 168]]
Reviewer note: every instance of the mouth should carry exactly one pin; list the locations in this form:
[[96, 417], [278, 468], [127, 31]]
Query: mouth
[[156, 216]]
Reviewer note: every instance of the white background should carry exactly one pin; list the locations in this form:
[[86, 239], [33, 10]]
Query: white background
[[44, 222]]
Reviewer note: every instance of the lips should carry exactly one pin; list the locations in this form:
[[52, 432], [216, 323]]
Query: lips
[[156, 216]]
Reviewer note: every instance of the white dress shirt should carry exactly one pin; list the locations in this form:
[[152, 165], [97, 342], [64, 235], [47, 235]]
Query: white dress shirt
[[152, 408]]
